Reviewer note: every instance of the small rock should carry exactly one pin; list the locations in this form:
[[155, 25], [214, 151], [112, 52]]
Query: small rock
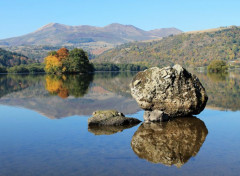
[[110, 118]]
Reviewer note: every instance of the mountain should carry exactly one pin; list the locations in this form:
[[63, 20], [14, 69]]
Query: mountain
[[190, 49], [60, 34], [9, 59]]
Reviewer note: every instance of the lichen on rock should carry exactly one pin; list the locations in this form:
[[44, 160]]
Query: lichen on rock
[[110, 118]]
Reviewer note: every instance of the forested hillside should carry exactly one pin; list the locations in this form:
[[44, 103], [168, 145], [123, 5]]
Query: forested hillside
[[188, 49], [9, 59]]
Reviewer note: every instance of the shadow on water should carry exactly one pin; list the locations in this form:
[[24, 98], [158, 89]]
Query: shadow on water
[[169, 143]]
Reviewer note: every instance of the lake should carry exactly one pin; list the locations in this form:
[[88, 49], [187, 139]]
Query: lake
[[44, 131]]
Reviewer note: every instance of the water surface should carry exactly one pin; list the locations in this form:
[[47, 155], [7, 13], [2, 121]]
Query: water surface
[[43, 129]]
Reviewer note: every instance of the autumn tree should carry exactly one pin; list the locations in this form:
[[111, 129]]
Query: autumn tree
[[62, 53]]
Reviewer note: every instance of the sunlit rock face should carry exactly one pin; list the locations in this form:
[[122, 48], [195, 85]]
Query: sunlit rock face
[[172, 90], [170, 143]]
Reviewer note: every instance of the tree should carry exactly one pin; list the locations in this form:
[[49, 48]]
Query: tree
[[217, 66], [78, 62], [52, 64], [62, 53]]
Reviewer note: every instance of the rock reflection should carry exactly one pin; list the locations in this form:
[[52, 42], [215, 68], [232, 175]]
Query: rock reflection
[[169, 143], [108, 130]]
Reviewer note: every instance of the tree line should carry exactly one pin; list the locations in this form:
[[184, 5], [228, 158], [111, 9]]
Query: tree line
[[64, 61]]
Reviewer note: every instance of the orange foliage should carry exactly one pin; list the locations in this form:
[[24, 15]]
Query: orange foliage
[[54, 62], [63, 93], [55, 86], [62, 53]]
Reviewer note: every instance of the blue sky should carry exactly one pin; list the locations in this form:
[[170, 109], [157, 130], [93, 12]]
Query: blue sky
[[18, 17]]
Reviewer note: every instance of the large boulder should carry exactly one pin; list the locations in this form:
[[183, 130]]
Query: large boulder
[[170, 143], [111, 118], [172, 90]]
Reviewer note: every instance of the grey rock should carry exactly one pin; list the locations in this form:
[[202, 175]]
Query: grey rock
[[110, 118], [155, 116], [172, 90], [169, 143]]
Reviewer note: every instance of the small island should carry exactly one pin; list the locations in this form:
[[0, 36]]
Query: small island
[[65, 61]]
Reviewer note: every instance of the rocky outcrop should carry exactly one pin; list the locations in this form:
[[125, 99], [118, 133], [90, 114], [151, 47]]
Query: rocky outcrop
[[170, 143], [110, 118], [172, 90]]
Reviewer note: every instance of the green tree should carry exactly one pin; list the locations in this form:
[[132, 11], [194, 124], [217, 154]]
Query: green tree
[[217, 66], [78, 62]]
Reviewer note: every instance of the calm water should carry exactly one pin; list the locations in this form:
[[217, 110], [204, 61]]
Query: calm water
[[44, 131]]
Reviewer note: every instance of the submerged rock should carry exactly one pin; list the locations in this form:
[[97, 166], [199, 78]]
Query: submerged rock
[[172, 90], [170, 143], [108, 130], [110, 118]]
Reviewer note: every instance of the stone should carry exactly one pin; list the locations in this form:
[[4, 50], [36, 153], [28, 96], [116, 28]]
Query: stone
[[172, 90], [155, 116], [169, 143], [111, 118]]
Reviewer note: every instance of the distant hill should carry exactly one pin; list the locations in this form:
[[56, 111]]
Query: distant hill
[[93, 39], [59, 34], [188, 49], [8, 59]]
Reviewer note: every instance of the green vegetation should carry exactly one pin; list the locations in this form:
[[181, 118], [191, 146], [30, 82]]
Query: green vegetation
[[3, 69], [217, 66], [189, 50], [118, 67], [10, 59], [31, 68]]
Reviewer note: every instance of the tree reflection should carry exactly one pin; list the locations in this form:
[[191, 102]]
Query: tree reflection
[[16, 82], [66, 85], [169, 143], [216, 77]]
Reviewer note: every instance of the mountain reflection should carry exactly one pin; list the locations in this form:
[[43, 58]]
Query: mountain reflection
[[61, 96], [68, 95], [169, 143], [223, 90]]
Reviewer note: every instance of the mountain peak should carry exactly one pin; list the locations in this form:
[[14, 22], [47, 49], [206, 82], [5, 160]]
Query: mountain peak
[[51, 25]]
